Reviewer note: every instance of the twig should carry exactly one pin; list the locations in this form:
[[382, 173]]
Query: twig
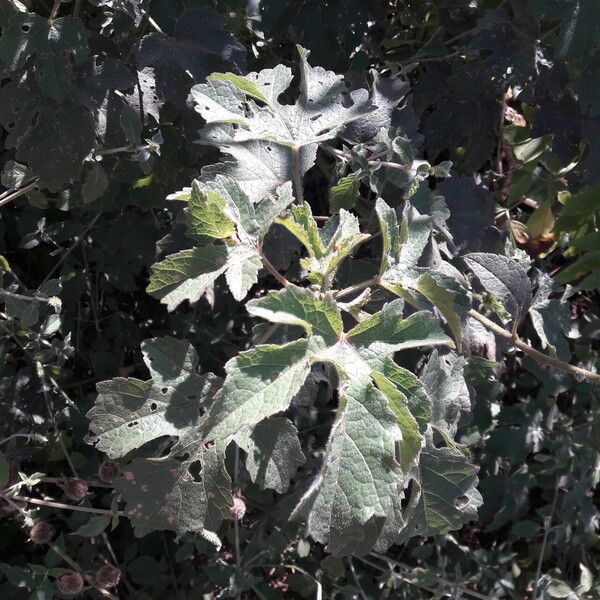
[[52, 504], [536, 354], [54, 10], [269, 267], [91, 581], [297, 175], [356, 581], [22, 297], [267, 334], [457, 586], [72, 247], [341, 154], [10, 196], [355, 288], [547, 528]]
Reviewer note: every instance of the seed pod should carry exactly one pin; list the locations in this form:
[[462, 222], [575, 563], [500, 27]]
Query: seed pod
[[238, 510], [107, 471], [108, 577], [75, 489], [70, 583], [41, 532]]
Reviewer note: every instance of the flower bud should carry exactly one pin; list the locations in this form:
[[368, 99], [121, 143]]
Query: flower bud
[[74, 489], [108, 577], [70, 583], [238, 510], [41, 532], [107, 471]]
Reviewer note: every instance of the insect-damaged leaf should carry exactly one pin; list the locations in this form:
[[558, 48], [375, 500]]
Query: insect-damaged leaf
[[164, 493], [130, 412], [245, 119], [51, 42]]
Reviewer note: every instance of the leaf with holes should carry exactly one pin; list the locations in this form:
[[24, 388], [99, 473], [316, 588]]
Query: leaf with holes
[[52, 42]]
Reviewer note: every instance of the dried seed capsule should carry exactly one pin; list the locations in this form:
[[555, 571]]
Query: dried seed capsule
[[107, 471], [41, 532], [108, 576], [238, 510], [70, 583], [75, 489]]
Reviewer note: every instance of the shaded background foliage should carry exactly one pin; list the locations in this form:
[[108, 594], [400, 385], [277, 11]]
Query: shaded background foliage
[[98, 128]]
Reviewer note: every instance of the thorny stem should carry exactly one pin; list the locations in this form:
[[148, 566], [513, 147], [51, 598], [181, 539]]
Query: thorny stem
[[297, 175], [52, 504], [536, 354]]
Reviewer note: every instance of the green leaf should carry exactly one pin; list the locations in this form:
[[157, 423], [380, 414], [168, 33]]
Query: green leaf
[[327, 247], [206, 216], [162, 493], [354, 503], [293, 305], [449, 297], [412, 440], [94, 526], [261, 135], [318, 114], [218, 210], [449, 497], [344, 194], [559, 589], [504, 278], [273, 452], [446, 387], [243, 265], [131, 124], [51, 42], [129, 413], [260, 382], [186, 275], [94, 184], [387, 331], [189, 489], [390, 234]]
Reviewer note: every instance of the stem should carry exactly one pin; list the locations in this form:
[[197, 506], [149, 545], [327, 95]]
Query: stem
[[77, 568], [547, 528], [372, 161], [10, 196], [54, 10], [536, 354], [356, 581], [297, 175], [23, 435], [269, 267], [21, 297], [355, 288], [465, 591], [52, 504], [74, 245], [266, 336]]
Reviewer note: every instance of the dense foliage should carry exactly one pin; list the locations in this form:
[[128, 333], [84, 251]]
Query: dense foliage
[[299, 299]]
